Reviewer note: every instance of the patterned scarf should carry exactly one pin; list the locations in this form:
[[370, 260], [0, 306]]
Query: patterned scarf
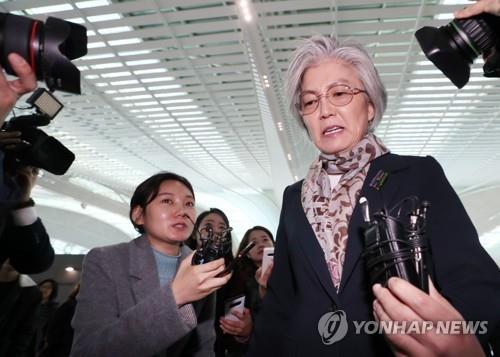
[[329, 210]]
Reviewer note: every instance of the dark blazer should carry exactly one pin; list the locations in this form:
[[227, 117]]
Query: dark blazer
[[18, 309], [122, 310], [300, 289]]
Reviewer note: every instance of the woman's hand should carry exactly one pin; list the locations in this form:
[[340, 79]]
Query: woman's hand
[[263, 278], [481, 6], [194, 282], [12, 90], [402, 301], [240, 329]]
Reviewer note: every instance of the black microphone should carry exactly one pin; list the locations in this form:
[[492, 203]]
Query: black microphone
[[185, 215]]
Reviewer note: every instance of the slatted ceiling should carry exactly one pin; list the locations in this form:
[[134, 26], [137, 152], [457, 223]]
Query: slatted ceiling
[[188, 95]]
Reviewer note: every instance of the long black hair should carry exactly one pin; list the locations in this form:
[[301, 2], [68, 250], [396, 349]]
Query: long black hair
[[246, 266], [148, 190]]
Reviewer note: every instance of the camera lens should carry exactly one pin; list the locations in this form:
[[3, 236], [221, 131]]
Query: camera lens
[[453, 47], [48, 48]]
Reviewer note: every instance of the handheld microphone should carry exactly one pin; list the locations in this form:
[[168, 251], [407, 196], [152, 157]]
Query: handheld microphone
[[214, 246], [395, 246], [231, 265], [185, 215]]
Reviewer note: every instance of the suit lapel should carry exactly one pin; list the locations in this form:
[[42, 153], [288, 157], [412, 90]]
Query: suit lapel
[[142, 269], [309, 244], [377, 200]]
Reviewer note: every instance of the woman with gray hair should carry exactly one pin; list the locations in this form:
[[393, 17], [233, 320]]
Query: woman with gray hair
[[319, 300]]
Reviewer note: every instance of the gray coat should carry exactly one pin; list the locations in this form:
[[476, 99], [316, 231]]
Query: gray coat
[[123, 311]]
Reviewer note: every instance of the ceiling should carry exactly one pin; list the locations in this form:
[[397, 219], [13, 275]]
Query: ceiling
[[195, 87]]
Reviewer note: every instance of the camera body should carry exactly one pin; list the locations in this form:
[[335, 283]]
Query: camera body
[[454, 47]]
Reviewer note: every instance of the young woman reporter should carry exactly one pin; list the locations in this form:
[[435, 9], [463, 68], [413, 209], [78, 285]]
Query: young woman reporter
[[144, 298]]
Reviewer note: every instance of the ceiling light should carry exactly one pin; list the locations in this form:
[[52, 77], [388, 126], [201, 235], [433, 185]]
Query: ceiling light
[[126, 41], [186, 113], [105, 17], [123, 83], [76, 20], [142, 62], [49, 9], [150, 71], [158, 79], [190, 129], [134, 97], [174, 94], [181, 107], [160, 115], [198, 123], [91, 3], [116, 74], [144, 104], [133, 90], [191, 119], [96, 45], [165, 87], [107, 65], [111, 30]]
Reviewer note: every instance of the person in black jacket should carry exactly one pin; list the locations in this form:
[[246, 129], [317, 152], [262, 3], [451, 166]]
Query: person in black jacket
[[319, 292], [237, 329], [60, 333], [23, 238], [19, 301]]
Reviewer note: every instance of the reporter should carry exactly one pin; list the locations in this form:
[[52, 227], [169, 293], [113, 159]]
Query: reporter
[[244, 282], [482, 6], [144, 297]]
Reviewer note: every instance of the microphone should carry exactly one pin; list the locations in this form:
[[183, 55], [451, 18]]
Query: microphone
[[365, 211], [185, 215]]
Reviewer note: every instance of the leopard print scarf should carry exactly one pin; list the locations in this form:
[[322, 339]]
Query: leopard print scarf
[[329, 210]]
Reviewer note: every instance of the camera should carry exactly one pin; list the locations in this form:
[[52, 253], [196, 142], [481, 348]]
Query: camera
[[39, 149], [48, 48], [396, 246], [454, 47]]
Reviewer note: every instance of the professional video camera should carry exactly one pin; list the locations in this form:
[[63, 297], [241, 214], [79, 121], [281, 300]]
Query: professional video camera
[[454, 47], [397, 245], [43, 151], [49, 49]]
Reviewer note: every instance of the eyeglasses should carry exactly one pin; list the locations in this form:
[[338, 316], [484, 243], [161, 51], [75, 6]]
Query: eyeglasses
[[337, 95]]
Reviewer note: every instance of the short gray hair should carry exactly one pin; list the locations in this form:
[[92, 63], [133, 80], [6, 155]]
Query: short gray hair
[[317, 48]]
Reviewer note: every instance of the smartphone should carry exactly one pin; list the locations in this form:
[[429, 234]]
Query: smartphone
[[267, 258], [234, 304]]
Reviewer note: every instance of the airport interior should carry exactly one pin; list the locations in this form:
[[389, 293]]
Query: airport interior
[[196, 87]]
